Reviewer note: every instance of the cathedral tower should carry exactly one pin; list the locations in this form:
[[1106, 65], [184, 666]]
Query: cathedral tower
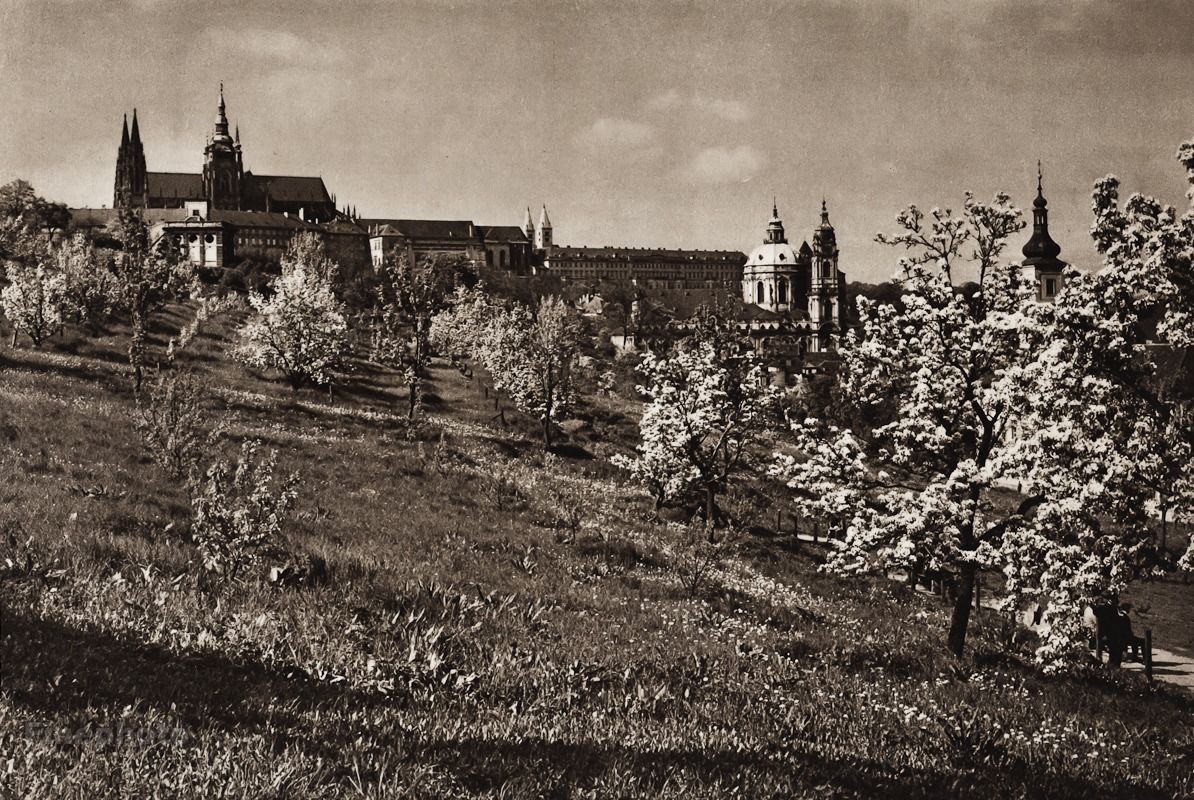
[[130, 189], [223, 171], [1041, 252]]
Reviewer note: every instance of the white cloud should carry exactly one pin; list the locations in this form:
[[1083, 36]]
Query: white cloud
[[273, 45], [611, 132], [724, 164], [730, 110], [666, 101]]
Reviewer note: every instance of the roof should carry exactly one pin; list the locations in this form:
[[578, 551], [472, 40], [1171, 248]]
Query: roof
[[644, 254], [778, 254], [423, 228], [288, 188], [503, 233], [181, 185], [258, 219], [102, 217]]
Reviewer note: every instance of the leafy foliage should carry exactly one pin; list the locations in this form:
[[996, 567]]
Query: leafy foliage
[[145, 276], [238, 511]]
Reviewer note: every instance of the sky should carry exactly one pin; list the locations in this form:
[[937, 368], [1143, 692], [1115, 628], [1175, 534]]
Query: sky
[[651, 123]]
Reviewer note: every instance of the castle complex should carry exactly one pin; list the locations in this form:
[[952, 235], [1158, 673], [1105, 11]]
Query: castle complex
[[792, 305], [222, 185]]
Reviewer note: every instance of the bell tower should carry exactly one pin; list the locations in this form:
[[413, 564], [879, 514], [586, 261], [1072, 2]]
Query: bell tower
[[223, 171], [824, 303], [543, 235], [1041, 252]]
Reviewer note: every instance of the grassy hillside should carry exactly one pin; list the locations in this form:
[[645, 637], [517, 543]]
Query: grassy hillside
[[492, 622]]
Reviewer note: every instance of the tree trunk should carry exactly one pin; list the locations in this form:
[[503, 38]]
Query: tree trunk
[[710, 509], [960, 620], [412, 399]]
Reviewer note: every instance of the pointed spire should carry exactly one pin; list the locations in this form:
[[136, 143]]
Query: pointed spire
[[543, 219], [1040, 201], [238, 133], [136, 134], [774, 208], [124, 133], [221, 132], [1040, 250]]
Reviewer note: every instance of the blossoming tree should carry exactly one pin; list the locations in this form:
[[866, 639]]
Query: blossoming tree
[[915, 493], [34, 301], [708, 405], [300, 329], [1111, 436]]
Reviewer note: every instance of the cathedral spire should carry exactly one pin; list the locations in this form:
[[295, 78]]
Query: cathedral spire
[[824, 214], [136, 135], [221, 132], [124, 134]]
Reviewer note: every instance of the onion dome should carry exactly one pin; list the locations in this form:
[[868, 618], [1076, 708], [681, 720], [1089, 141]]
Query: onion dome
[[1041, 251]]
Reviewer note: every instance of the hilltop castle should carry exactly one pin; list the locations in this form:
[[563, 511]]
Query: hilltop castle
[[224, 184]]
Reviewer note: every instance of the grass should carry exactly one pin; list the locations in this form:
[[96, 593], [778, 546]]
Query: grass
[[468, 640]]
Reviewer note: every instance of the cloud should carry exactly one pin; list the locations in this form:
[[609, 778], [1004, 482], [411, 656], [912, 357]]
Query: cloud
[[724, 164], [282, 47], [666, 101], [730, 110], [612, 132]]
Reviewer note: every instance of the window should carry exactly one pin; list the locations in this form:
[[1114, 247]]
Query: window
[[783, 291], [759, 292], [1050, 287]]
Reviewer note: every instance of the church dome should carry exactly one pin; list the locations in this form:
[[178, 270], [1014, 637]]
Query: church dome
[[772, 254]]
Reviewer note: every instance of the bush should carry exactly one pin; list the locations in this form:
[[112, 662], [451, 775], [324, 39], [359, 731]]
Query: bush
[[173, 422], [238, 511]]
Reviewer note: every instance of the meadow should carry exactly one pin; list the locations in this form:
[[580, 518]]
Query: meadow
[[474, 617]]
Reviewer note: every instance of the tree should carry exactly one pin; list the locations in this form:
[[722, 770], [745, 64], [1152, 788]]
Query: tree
[[409, 294], [89, 283], [916, 492], [35, 297], [708, 404], [24, 214], [531, 359], [300, 329], [145, 277], [1110, 435], [238, 509]]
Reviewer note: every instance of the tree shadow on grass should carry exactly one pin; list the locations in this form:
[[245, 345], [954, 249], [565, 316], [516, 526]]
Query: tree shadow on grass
[[54, 668]]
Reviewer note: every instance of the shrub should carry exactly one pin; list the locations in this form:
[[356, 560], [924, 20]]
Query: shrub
[[238, 511], [173, 422]]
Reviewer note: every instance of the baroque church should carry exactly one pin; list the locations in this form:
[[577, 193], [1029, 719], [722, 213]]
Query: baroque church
[[224, 183]]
